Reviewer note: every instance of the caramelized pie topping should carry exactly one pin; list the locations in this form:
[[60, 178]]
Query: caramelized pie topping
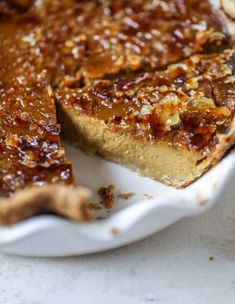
[[188, 104], [31, 153], [75, 41], [66, 44]]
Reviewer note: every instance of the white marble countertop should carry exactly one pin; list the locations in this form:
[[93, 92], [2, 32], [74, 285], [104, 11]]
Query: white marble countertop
[[172, 266]]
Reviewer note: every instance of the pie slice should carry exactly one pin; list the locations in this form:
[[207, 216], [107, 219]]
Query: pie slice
[[35, 176], [33, 159], [171, 125]]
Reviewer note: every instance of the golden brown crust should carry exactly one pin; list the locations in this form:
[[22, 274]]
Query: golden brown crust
[[70, 202], [225, 142], [229, 19], [229, 7]]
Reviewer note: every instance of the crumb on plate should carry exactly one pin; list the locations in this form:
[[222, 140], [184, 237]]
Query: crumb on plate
[[126, 196], [148, 196], [114, 231], [94, 206], [107, 195]]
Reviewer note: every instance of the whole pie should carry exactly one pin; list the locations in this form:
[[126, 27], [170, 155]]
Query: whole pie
[[148, 84]]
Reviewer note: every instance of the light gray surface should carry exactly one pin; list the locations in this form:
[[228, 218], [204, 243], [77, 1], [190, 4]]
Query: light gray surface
[[172, 266]]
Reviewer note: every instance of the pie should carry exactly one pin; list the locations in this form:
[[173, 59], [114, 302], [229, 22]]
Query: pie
[[125, 82]]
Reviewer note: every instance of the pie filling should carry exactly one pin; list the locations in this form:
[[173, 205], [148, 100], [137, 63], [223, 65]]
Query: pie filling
[[109, 66]]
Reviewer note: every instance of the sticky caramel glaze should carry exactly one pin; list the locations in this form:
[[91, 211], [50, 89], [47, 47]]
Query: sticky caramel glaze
[[189, 104], [11, 6], [68, 43], [75, 41], [30, 150]]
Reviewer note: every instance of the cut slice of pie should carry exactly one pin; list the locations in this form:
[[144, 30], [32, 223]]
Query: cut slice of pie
[[35, 176], [33, 159], [171, 125]]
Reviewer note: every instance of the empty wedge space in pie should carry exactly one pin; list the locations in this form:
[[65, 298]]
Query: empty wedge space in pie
[[148, 84]]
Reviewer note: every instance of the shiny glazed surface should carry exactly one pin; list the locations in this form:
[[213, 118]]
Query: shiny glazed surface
[[46, 45], [188, 104]]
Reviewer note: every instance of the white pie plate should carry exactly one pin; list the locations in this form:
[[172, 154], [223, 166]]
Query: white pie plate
[[131, 220]]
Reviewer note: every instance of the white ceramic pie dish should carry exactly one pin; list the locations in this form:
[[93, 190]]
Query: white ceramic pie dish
[[131, 220]]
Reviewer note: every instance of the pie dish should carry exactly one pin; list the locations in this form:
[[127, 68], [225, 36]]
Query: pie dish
[[53, 52], [129, 221]]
